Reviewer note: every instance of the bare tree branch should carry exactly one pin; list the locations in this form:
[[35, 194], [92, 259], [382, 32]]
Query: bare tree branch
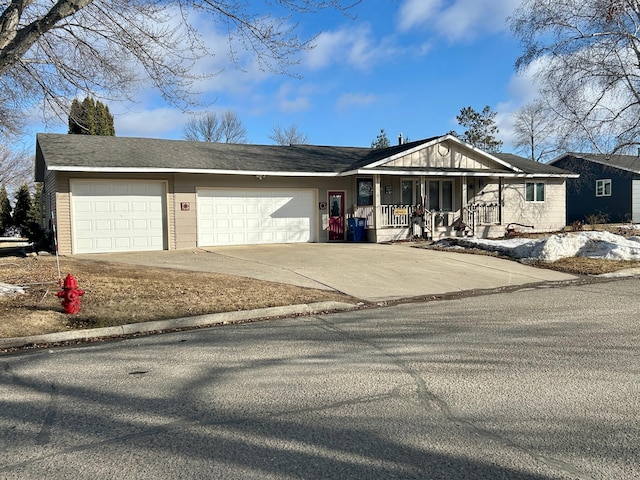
[[17, 167], [209, 127], [288, 135], [52, 52], [587, 57]]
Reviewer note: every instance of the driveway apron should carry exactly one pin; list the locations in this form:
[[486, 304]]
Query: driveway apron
[[369, 272]]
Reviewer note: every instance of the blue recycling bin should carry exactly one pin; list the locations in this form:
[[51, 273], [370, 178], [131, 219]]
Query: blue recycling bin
[[356, 229]]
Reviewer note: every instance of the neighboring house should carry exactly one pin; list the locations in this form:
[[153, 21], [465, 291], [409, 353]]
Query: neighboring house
[[608, 187], [122, 194]]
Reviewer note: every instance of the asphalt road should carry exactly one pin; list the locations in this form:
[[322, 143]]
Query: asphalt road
[[537, 384]]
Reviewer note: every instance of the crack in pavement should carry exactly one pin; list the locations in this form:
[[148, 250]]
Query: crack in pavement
[[44, 436], [429, 400]]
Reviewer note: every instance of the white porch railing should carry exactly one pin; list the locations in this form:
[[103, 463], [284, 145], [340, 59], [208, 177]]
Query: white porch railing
[[396, 215], [482, 214], [366, 213]]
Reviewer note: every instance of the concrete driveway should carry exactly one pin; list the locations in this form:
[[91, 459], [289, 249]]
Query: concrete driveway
[[370, 272]]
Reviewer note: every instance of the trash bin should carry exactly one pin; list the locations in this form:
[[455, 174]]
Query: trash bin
[[356, 229]]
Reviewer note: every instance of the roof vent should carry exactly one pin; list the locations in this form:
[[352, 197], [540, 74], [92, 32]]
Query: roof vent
[[400, 142]]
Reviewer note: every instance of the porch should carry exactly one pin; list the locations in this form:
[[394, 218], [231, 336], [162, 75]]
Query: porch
[[401, 222], [403, 207]]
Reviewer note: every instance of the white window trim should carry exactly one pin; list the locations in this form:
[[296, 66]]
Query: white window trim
[[415, 190], [373, 197], [604, 182], [535, 192], [441, 193]]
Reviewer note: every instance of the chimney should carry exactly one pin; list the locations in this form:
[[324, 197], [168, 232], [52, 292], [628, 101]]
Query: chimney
[[400, 139]]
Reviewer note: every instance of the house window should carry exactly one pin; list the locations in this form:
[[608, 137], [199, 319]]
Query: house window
[[534, 191], [441, 195], [603, 188], [407, 192], [365, 191]]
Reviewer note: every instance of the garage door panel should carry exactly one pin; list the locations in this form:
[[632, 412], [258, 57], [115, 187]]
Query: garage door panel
[[101, 207], [117, 216], [253, 216]]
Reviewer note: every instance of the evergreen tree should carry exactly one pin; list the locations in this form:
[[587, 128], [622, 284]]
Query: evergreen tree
[[5, 210], [90, 118], [35, 229], [381, 140], [481, 129], [75, 117], [22, 208], [104, 120]]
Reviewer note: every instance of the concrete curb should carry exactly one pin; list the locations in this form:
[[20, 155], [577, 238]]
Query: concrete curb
[[183, 322]]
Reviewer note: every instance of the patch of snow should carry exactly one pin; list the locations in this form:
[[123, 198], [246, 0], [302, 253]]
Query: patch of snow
[[604, 245], [6, 289]]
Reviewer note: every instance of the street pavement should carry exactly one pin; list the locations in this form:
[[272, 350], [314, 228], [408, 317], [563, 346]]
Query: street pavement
[[367, 271], [542, 383]]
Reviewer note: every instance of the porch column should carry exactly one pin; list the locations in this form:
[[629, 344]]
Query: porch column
[[377, 201], [464, 192], [423, 202], [464, 197], [500, 186]]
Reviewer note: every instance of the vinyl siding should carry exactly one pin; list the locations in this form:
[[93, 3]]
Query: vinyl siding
[[444, 155], [546, 216]]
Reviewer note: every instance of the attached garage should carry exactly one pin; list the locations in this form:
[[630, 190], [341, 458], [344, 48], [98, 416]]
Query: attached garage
[[255, 216], [117, 216]]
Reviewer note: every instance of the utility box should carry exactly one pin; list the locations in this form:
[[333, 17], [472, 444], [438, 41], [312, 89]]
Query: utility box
[[357, 229]]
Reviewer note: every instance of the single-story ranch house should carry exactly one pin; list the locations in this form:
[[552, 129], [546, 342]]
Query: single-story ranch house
[[608, 187], [111, 194]]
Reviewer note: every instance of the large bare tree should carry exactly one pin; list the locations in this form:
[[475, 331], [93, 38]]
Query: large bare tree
[[587, 57], [211, 127], [16, 167], [52, 50], [288, 135], [534, 131]]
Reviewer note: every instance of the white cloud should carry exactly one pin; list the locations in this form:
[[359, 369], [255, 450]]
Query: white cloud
[[349, 100], [355, 47], [291, 99], [459, 20], [154, 123], [415, 13]]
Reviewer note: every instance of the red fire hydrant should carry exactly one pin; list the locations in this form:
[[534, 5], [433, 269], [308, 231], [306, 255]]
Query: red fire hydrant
[[70, 295]]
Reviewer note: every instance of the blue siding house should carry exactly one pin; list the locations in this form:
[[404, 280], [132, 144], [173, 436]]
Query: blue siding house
[[609, 185]]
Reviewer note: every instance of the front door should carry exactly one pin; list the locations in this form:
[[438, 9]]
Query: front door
[[336, 215]]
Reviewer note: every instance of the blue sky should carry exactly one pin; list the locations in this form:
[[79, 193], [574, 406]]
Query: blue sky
[[403, 65]]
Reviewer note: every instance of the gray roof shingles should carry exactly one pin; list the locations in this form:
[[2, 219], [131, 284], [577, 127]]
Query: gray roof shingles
[[625, 162], [64, 151]]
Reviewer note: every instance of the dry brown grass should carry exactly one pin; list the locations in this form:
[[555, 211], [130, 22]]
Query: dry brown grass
[[587, 266], [117, 294]]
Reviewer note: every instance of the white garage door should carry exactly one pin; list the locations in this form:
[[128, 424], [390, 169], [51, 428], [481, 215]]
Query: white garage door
[[635, 201], [117, 216], [254, 216]]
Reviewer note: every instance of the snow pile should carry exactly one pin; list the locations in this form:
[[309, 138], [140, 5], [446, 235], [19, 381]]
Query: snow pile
[[603, 245]]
